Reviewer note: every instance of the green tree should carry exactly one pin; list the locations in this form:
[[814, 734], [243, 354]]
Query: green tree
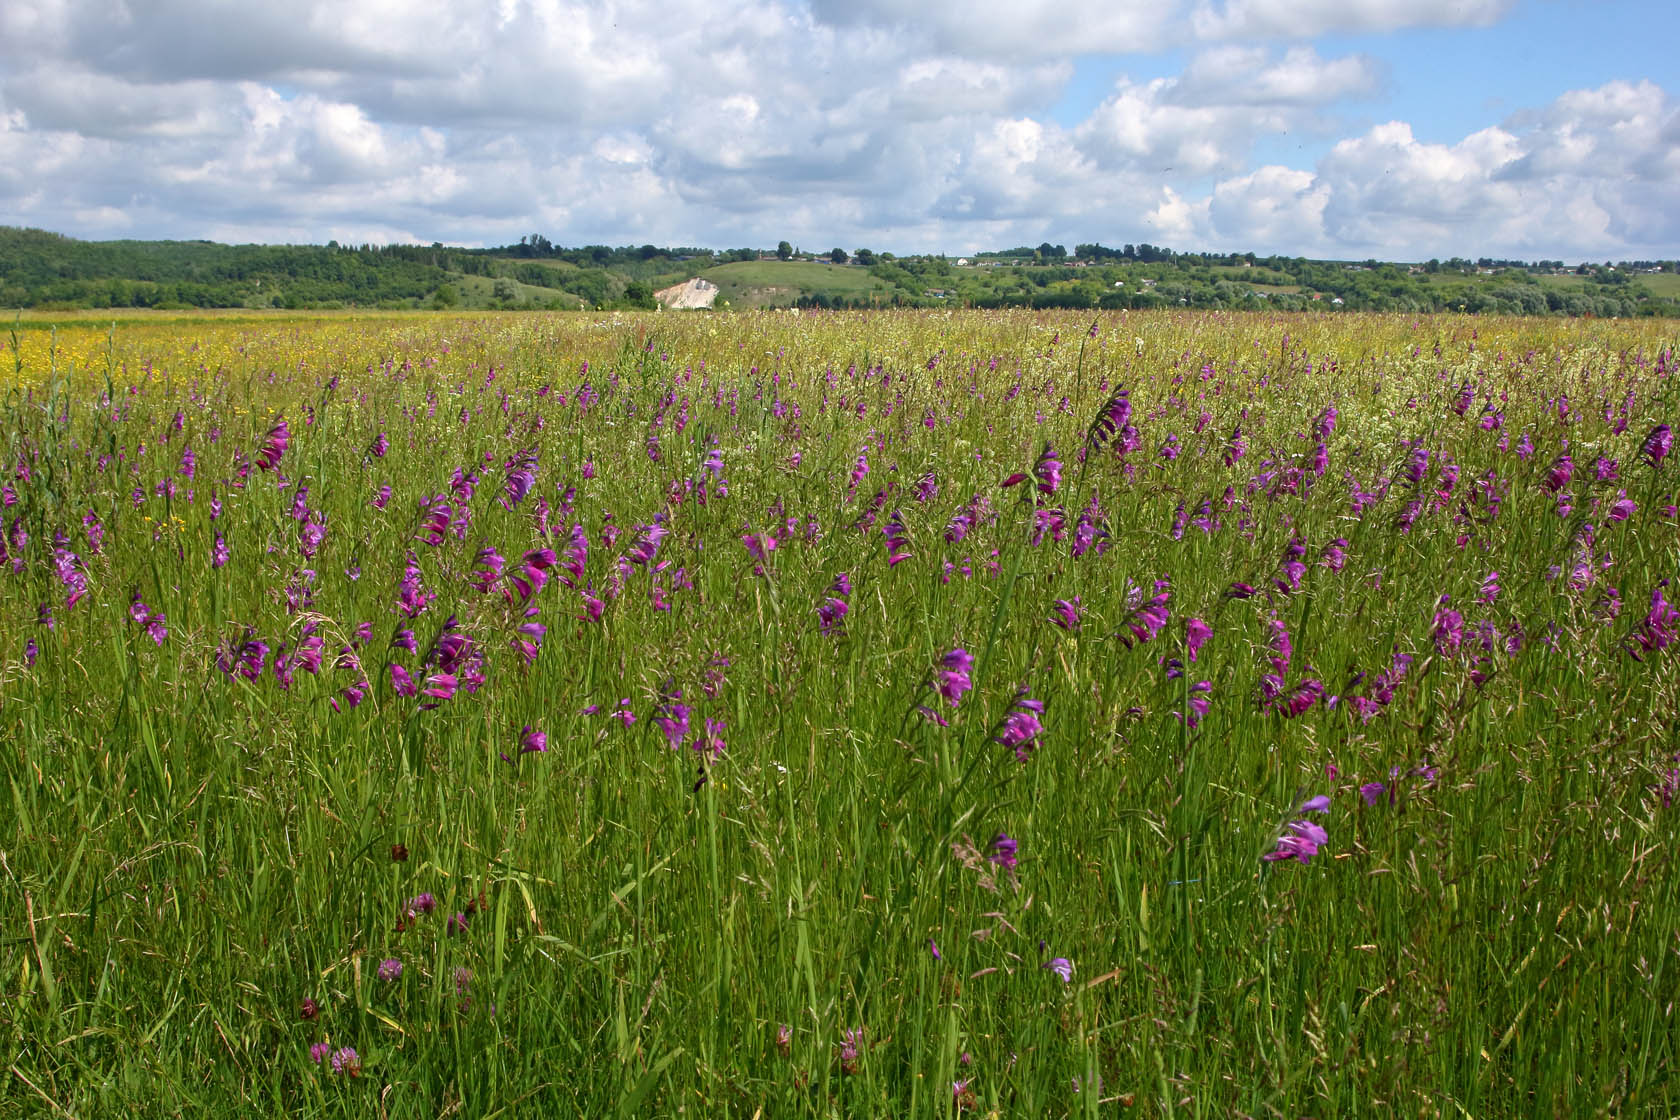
[[784, 250], [838, 256], [865, 257]]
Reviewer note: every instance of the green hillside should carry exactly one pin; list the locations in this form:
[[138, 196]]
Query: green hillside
[[779, 283], [45, 271]]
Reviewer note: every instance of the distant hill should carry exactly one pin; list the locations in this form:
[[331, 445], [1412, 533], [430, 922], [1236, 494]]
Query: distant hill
[[48, 271]]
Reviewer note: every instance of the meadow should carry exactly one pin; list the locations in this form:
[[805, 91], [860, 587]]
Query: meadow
[[836, 715]]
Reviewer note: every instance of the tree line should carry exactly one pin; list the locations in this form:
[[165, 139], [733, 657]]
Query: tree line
[[44, 270]]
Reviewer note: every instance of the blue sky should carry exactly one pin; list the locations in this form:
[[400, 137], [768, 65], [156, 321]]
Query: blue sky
[[1347, 128]]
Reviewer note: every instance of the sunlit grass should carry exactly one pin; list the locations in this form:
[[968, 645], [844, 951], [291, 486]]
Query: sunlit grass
[[623, 926]]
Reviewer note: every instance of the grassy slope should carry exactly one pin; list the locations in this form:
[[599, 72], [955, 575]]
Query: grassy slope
[[769, 283]]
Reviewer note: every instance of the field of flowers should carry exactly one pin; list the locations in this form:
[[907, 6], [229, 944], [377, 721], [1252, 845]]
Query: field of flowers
[[840, 715]]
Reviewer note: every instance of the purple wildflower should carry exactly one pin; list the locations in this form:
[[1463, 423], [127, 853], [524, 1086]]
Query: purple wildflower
[[1048, 471], [532, 742], [434, 520], [1236, 447], [951, 679], [1301, 841], [1146, 621], [1196, 635], [390, 969], [710, 744], [648, 537], [1114, 415], [274, 446], [519, 476], [1198, 704], [1021, 728], [1559, 473], [401, 683], [1002, 851], [1658, 442], [898, 544], [672, 716], [1658, 630], [1302, 697], [851, 1049], [1449, 630], [1065, 614]]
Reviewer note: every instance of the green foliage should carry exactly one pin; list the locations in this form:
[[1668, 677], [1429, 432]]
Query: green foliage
[[194, 853], [45, 271]]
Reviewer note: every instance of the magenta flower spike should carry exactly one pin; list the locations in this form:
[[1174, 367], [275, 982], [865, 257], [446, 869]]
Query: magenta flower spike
[[672, 716], [1145, 622], [1196, 635], [1198, 705], [648, 538], [1302, 697], [1659, 628], [1559, 473], [898, 543], [1301, 841], [345, 1060], [434, 520], [1048, 471], [520, 474], [1114, 415], [1021, 728], [1657, 445], [951, 679], [274, 446], [1064, 613]]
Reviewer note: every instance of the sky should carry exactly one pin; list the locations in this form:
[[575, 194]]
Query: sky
[[1347, 129]]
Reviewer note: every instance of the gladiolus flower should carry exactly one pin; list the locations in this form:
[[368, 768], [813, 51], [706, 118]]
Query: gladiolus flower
[[951, 680], [1021, 728], [274, 446], [1065, 614], [1658, 442], [1301, 841], [1048, 471]]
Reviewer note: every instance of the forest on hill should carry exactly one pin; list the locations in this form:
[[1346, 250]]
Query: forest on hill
[[40, 270]]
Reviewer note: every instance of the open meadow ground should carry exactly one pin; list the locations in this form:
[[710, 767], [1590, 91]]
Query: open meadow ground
[[840, 715]]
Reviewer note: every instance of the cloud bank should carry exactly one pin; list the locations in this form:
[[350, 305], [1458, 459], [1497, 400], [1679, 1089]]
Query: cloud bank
[[851, 122]]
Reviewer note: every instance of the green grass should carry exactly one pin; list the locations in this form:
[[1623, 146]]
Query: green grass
[[763, 283], [194, 853]]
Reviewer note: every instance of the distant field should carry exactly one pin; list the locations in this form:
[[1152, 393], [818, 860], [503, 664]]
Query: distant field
[[479, 290], [762, 283]]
